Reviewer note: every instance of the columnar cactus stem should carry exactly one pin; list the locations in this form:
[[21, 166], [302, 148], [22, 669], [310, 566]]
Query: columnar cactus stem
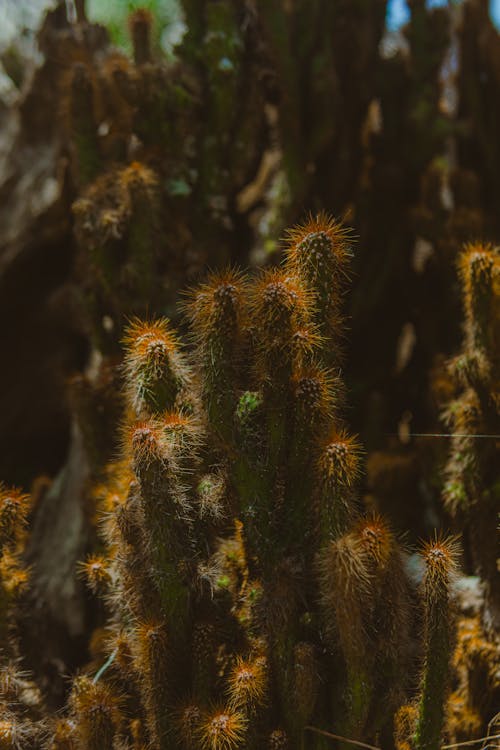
[[97, 714], [154, 367], [215, 313], [318, 252], [440, 564], [471, 490]]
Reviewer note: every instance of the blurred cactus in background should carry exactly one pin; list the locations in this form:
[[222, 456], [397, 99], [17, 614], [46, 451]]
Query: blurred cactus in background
[[208, 557]]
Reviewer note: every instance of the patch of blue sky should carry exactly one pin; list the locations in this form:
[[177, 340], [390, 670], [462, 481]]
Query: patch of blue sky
[[398, 12], [495, 12]]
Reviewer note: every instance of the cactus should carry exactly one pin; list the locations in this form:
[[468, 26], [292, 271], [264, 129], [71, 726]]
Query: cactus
[[471, 489], [440, 564], [244, 591], [221, 634]]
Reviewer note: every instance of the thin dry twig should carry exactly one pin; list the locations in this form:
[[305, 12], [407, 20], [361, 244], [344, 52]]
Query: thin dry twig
[[343, 739], [472, 742], [374, 747]]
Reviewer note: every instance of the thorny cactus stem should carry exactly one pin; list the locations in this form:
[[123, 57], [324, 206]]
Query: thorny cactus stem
[[215, 313], [154, 367], [479, 268], [97, 713], [440, 557]]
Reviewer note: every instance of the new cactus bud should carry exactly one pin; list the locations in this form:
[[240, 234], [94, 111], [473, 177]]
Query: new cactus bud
[[440, 558], [249, 419], [222, 729], [247, 684], [154, 367]]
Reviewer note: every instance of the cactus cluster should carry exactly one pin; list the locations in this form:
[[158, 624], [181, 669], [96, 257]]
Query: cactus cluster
[[248, 587], [471, 492], [250, 599]]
